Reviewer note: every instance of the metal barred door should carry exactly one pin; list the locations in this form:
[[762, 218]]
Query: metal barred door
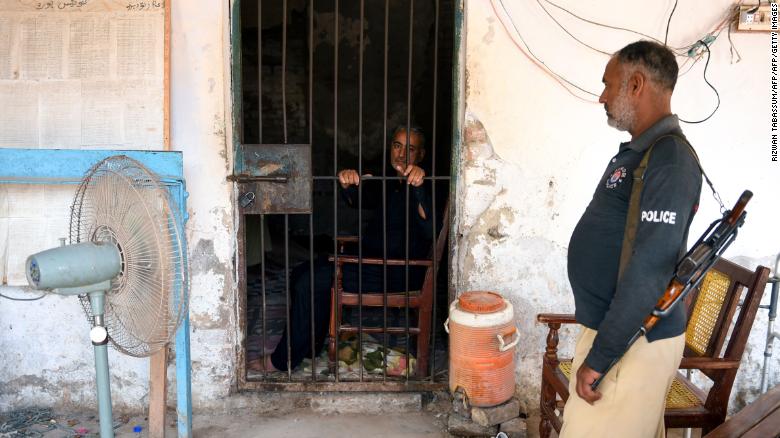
[[320, 87]]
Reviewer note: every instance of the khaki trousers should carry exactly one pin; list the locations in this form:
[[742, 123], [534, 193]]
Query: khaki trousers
[[633, 393]]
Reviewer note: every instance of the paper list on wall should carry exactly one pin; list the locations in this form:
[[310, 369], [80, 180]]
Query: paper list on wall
[[3, 250], [138, 44], [32, 218], [18, 114], [101, 114], [88, 48], [60, 114], [25, 236], [41, 47], [5, 48], [142, 113]]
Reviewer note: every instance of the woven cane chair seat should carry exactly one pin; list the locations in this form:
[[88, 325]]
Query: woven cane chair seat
[[703, 320], [678, 397]]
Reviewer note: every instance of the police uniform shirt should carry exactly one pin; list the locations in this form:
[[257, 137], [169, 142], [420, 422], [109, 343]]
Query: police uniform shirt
[[670, 196]]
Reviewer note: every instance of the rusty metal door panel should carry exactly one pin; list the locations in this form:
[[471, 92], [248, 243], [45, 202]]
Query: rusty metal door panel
[[279, 176]]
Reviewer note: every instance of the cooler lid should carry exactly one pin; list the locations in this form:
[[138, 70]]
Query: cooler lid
[[481, 301]]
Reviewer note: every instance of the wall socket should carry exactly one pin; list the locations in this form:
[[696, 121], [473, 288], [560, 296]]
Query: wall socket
[[755, 18]]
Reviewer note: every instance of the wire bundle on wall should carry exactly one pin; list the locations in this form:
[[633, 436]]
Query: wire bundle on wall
[[692, 52]]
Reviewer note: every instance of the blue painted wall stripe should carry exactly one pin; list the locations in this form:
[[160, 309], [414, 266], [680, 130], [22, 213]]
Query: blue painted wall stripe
[[68, 165]]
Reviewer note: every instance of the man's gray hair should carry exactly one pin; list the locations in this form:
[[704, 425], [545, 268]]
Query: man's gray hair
[[655, 59], [412, 129]]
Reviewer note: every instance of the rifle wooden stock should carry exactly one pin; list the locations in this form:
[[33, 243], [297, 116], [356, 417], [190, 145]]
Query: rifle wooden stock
[[672, 292]]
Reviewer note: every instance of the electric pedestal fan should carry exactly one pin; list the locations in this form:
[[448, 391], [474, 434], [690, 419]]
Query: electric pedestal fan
[[125, 260]]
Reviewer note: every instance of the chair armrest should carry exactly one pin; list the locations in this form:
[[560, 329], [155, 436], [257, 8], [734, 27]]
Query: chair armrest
[[556, 318], [708, 363], [375, 261]]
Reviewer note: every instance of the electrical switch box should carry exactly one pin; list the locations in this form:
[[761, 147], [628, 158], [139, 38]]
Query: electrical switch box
[[755, 18]]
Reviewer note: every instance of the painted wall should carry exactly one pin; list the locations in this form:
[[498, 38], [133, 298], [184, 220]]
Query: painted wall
[[46, 355], [533, 153]]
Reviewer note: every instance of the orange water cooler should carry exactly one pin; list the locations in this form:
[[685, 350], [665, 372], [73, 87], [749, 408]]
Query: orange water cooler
[[482, 347]]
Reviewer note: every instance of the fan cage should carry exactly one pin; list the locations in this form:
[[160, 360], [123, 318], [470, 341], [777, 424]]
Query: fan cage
[[121, 202]]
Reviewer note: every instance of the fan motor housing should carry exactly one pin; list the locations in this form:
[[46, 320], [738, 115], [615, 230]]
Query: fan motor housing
[[76, 265]]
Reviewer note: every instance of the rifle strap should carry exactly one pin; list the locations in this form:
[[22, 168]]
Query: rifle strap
[[632, 218]]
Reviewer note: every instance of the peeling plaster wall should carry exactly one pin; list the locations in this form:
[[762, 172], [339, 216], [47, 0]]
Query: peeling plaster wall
[[200, 90], [47, 359], [532, 153]]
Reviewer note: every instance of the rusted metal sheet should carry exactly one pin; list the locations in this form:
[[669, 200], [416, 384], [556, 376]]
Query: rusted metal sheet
[[276, 178]]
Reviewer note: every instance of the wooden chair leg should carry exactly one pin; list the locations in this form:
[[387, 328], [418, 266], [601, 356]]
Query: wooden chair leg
[[335, 321], [547, 408], [423, 342]]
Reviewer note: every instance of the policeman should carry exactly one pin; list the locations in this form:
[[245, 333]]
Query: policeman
[[613, 296]]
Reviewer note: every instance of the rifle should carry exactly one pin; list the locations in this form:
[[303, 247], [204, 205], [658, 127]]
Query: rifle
[[692, 267]]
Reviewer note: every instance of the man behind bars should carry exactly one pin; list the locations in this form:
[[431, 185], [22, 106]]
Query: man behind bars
[[638, 83], [420, 237]]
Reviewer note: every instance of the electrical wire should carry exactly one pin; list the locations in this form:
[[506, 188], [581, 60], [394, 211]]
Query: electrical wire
[[676, 50], [22, 299], [569, 33], [669, 22], [732, 47], [536, 61], [717, 95], [690, 50], [679, 51], [679, 75]]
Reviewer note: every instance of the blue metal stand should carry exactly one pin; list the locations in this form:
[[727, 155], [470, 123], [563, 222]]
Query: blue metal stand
[[68, 166]]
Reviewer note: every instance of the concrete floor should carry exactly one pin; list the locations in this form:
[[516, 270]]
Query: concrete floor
[[303, 424], [369, 416], [300, 424]]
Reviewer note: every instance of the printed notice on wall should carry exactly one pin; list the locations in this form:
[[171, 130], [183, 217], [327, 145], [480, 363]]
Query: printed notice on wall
[[82, 74], [74, 74]]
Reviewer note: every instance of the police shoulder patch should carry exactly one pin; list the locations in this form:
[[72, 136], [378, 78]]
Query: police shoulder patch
[[616, 178]]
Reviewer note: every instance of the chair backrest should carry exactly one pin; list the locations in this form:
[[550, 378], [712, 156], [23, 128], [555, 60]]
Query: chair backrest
[[713, 306], [711, 315]]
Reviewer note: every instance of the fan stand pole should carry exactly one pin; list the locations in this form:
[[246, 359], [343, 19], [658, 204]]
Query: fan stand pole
[[99, 338]]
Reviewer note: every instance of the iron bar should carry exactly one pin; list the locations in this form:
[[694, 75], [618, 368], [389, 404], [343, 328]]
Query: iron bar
[[244, 178], [393, 385], [284, 69], [262, 291], [432, 322], [384, 195], [408, 136], [360, 195], [311, 215], [260, 71], [335, 169], [386, 178], [287, 290]]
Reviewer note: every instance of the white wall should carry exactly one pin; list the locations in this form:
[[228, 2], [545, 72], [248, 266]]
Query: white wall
[[524, 186], [46, 355]]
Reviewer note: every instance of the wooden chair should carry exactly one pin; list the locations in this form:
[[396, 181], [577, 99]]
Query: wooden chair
[[760, 419], [711, 311], [422, 299]]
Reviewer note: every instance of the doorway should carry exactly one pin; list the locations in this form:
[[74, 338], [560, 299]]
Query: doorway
[[326, 86]]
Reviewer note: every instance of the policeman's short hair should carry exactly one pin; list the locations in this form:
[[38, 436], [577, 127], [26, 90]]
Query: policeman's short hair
[[656, 59], [412, 129]]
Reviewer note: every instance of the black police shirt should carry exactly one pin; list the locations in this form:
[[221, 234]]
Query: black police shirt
[[669, 199]]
